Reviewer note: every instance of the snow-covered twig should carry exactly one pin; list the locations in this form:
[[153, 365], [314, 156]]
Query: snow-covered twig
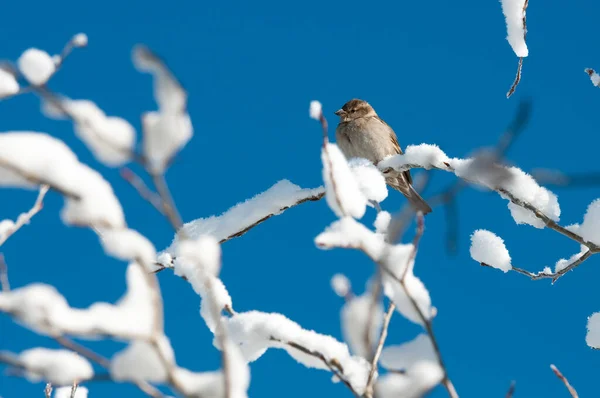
[[594, 76], [48, 390], [333, 365], [565, 381], [24, 218]]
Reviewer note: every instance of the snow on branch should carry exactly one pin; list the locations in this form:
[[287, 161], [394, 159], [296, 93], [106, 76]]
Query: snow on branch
[[167, 130], [516, 26], [594, 77], [244, 216], [8, 82], [256, 331], [28, 159], [9, 227], [60, 367], [43, 309], [489, 249]]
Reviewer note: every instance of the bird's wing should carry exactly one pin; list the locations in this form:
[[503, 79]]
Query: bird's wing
[[394, 140]]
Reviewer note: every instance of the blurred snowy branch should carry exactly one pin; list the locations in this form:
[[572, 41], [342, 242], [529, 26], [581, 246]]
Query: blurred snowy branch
[[594, 76], [565, 381]]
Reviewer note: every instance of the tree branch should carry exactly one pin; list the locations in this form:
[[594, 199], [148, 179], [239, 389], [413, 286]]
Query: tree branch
[[565, 381], [24, 218], [382, 337]]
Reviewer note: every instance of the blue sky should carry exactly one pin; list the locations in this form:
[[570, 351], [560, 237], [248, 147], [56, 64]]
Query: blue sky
[[437, 72]]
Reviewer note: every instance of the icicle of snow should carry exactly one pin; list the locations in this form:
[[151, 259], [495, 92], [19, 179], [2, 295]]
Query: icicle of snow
[[348, 233], [43, 309], [343, 194], [488, 248], [8, 83], [592, 337], [169, 129], [36, 66], [370, 180], [128, 245], [355, 315], [255, 332], [55, 366], [426, 156], [140, 361], [316, 110], [65, 392], [273, 201], [340, 285], [514, 13], [594, 77]]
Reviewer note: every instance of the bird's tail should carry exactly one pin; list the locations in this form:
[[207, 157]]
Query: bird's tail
[[417, 202]]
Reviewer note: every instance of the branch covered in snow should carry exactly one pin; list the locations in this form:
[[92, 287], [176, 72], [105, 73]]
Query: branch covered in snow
[[594, 76], [9, 227], [516, 26]]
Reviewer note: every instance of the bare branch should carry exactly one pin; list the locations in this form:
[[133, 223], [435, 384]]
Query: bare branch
[[511, 390], [48, 390], [565, 381], [168, 205], [142, 189], [382, 337], [24, 218]]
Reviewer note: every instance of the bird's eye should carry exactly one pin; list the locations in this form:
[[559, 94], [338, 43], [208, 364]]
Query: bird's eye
[[353, 110]]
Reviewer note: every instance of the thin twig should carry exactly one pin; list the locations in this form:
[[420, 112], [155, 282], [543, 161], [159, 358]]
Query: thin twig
[[48, 390], [24, 218], [375, 296], [167, 201], [382, 337], [142, 189], [520, 66], [511, 390], [73, 390], [565, 381], [4, 283], [333, 365]]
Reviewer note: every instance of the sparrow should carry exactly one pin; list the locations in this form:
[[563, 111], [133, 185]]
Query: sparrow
[[361, 133]]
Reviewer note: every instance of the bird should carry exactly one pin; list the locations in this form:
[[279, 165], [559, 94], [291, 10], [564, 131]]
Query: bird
[[361, 133]]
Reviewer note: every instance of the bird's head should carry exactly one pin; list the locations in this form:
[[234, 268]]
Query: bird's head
[[354, 109]]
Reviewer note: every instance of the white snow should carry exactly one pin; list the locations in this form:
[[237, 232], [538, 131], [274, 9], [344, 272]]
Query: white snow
[[316, 110], [382, 222], [595, 78], [36, 66], [6, 227], [211, 384], [425, 156], [514, 13], [592, 338], [59, 367], [370, 180], [355, 316], [340, 285], [29, 158], [204, 252], [418, 360], [255, 332], [590, 228], [564, 263], [111, 139], [489, 248], [170, 128], [8, 83], [273, 201], [43, 309], [515, 181], [65, 392], [343, 193], [348, 233], [80, 40], [398, 262], [128, 245], [140, 361]]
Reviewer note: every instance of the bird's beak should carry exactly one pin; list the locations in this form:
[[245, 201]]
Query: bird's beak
[[339, 112]]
